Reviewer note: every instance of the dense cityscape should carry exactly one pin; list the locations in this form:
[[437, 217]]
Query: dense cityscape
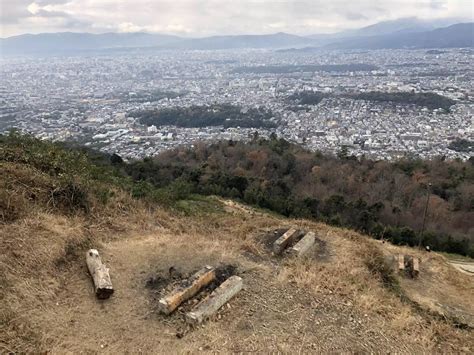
[[91, 99]]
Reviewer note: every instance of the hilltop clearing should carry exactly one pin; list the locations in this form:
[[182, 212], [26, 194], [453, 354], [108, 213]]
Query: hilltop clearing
[[342, 296]]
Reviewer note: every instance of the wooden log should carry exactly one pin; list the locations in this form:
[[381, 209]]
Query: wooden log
[[416, 266], [391, 261], [304, 245], [187, 289], [401, 262], [215, 300], [100, 275], [281, 243]]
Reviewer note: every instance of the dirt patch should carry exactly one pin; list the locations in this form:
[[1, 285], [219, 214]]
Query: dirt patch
[[271, 237], [156, 283], [442, 291], [463, 266], [260, 247], [321, 250], [296, 306], [223, 272]]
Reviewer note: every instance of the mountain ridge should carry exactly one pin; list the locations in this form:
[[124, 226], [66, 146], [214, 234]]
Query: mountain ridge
[[458, 35], [407, 24], [70, 41]]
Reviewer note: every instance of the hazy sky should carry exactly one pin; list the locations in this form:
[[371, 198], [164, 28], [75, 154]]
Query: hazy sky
[[209, 17]]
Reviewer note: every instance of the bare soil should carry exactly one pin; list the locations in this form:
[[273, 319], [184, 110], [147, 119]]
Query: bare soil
[[329, 302]]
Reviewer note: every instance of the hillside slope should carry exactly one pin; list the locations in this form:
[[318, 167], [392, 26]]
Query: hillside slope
[[341, 298], [380, 198]]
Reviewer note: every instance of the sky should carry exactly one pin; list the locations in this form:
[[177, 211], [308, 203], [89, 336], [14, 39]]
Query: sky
[[214, 17]]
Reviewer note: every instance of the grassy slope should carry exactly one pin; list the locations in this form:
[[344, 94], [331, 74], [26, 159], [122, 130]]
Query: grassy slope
[[335, 300]]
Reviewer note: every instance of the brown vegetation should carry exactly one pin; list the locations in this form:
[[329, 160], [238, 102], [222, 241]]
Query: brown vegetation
[[345, 301], [384, 199]]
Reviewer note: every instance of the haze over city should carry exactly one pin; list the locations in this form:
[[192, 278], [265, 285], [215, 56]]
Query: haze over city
[[216, 17]]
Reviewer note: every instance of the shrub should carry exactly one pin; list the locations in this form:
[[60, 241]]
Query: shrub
[[378, 266], [70, 197]]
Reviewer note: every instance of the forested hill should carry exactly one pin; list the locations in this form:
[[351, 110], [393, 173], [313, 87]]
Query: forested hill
[[205, 116], [383, 199], [429, 100], [386, 200]]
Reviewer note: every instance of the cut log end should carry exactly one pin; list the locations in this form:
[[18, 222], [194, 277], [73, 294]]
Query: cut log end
[[401, 262], [104, 293]]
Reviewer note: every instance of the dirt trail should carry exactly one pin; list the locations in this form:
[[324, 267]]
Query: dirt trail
[[463, 266]]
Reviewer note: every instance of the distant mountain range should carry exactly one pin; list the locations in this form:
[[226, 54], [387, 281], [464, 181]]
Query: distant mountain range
[[277, 40], [402, 25], [403, 33], [66, 42], [454, 36]]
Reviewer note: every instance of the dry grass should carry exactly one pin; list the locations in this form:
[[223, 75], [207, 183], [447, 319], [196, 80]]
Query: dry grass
[[338, 302]]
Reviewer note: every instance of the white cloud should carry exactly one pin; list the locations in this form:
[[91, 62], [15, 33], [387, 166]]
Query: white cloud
[[33, 8], [208, 17], [129, 27]]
